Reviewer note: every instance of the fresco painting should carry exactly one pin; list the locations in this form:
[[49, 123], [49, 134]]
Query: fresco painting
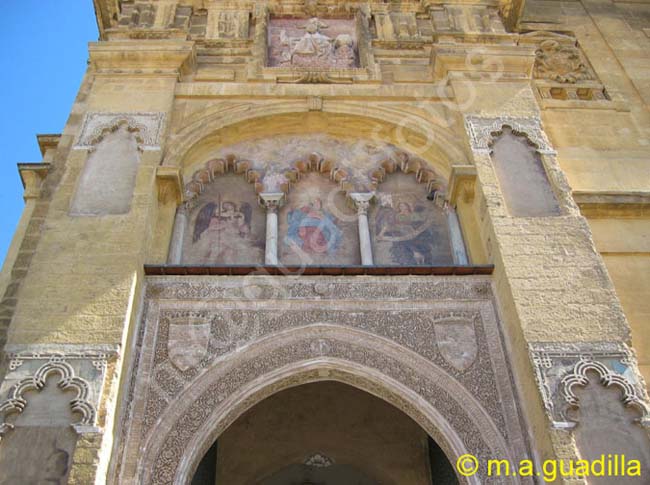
[[227, 226], [316, 225], [406, 228]]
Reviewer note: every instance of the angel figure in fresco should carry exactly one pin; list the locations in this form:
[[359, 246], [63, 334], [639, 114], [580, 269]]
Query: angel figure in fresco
[[313, 229], [408, 228], [222, 233]]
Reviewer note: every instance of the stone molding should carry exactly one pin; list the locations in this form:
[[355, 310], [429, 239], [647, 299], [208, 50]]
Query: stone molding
[[482, 130], [560, 367], [148, 128]]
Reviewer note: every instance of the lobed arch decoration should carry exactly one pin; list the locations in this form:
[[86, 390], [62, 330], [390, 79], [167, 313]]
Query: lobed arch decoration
[[531, 180], [405, 163], [216, 398], [217, 167], [145, 127], [437, 142], [332, 228], [578, 377], [80, 404]]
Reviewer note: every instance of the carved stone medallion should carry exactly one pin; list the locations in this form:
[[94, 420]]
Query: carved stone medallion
[[456, 341], [188, 344]]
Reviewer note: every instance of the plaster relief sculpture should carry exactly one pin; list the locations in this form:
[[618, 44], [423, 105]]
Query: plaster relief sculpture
[[296, 43]]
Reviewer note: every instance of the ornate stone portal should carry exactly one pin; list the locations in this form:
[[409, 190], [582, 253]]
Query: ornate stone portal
[[439, 341]]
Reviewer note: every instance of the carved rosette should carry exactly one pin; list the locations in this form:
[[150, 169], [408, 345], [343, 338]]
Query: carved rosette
[[148, 128], [560, 368]]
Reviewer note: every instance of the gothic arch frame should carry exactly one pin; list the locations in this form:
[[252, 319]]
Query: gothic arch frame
[[293, 357]]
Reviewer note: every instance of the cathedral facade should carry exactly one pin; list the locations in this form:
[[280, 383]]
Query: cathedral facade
[[323, 242]]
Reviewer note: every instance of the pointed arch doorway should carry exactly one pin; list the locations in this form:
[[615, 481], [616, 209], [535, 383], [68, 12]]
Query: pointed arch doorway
[[324, 433]]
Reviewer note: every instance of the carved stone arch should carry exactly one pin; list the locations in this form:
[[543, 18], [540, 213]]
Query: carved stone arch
[[483, 131], [204, 126], [215, 167], [315, 162], [16, 402], [146, 127], [406, 163], [578, 377], [447, 411]]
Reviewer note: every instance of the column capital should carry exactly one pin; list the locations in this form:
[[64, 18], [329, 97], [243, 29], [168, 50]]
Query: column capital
[[361, 201], [272, 201]]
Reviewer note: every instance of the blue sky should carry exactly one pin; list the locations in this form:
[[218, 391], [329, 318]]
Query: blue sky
[[44, 50]]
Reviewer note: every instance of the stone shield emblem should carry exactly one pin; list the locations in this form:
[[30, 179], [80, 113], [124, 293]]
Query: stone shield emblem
[[188, 344], [456, 340]]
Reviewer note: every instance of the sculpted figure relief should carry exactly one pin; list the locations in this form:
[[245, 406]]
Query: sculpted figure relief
[[307, 45]]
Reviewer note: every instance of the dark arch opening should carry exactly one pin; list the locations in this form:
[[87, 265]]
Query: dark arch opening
[[324, 433]]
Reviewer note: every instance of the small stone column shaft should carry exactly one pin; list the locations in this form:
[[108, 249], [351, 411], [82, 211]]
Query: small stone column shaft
[[456, 237], [176, 245], [362, 203], [271, 202]]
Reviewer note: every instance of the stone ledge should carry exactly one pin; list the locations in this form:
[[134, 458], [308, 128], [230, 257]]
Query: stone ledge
[[241, 270]]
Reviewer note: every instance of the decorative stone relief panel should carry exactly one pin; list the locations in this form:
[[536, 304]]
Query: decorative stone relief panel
[[559, 58], [481, 131], [313, 43], [227, 24], [80, 371], [561, 368], [594, 389], [49, 397], [305, 47], [446, 328], [147, 126]]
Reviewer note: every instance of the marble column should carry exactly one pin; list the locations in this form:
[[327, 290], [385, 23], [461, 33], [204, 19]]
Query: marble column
[[456, 237], [362, 203], [178, 235], [271, 202]]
